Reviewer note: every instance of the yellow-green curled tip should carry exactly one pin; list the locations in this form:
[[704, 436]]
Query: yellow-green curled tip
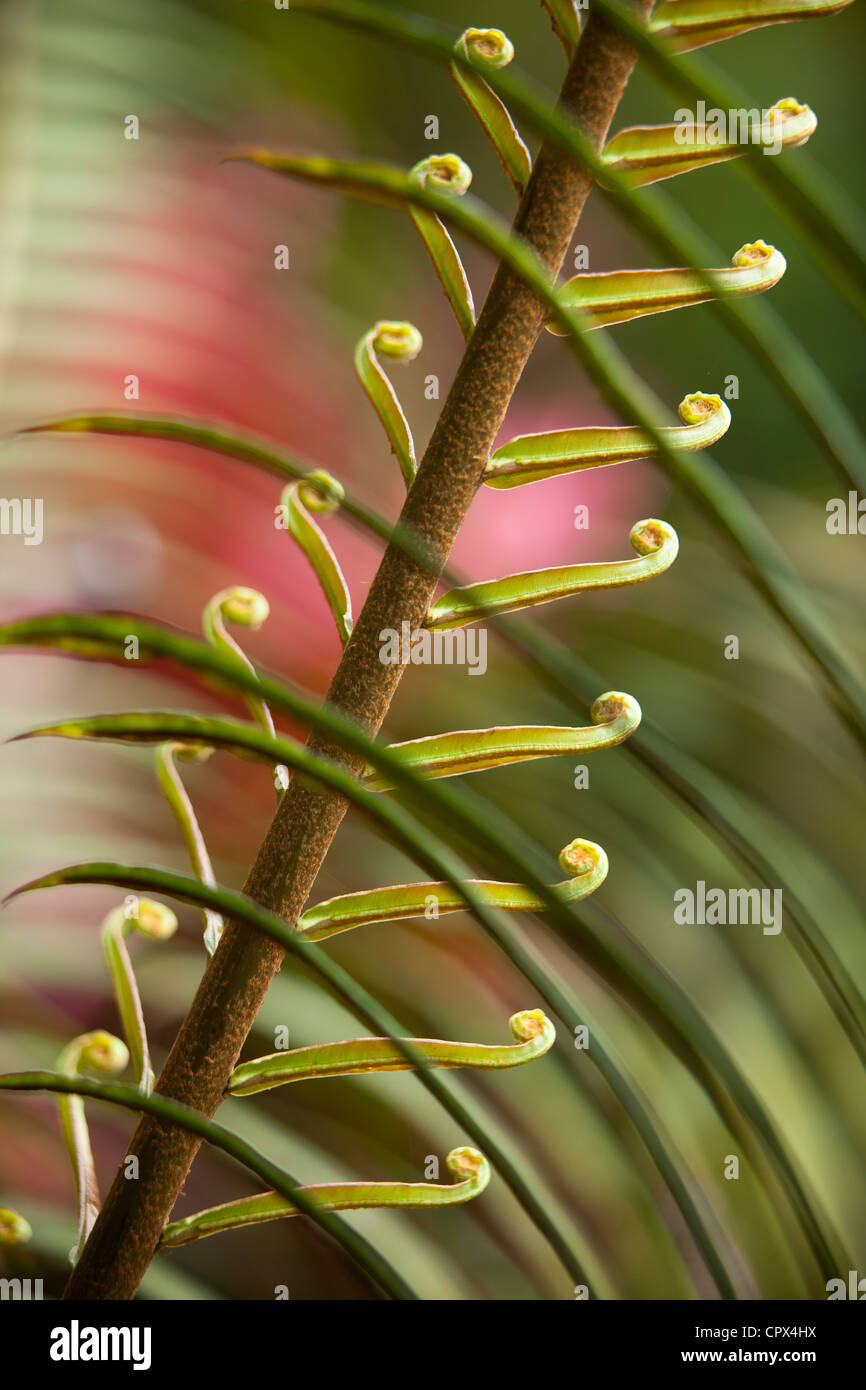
[[319, 491], [153, 919], [790, 111], [650, 534], [583, 857], [401, 342], [614, 704], [529, 1024], [490, 47], [443, 173], [753, 253], [245, 607], [699, 406], [467, 1163], [101, 1052], [14, 1228]]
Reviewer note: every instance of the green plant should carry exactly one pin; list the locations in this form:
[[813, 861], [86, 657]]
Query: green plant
[[342, 762]]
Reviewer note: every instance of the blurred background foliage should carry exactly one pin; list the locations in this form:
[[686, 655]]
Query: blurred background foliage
[[150, 258]]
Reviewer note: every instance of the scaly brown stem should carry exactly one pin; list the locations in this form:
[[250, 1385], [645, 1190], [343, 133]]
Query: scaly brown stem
[[230, 995]]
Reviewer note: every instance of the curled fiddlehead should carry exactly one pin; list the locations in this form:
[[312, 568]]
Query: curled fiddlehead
[[584, 862], [656, 544], [532, 1031], [319, 493], [531, 457], [614, 716], [398, 342], [176, 795], [245, 608], [450, 175], [468, 1166], [106, 1055], [158, 922], [689, 24], [648, 153], [490, 48], [617, 296]]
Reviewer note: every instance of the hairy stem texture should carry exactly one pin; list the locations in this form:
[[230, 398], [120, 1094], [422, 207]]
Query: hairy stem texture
[[206, 1049]]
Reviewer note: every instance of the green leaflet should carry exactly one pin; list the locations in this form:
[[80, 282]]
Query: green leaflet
[[468, 1166], [159, 923], [297, 502], [436, 183], [97, 1052], [183, 811], [614, 717], [565, 22], [656, 544], [449, 175], [619, 295], [399, 342], [174, 1112], [690, 24], [533, 1032], [247, 608], [649, 153], [490, 48], [530, 458], [585, 861]]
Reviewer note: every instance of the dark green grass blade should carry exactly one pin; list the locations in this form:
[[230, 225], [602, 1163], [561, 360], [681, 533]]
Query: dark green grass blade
[[261, 453]]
